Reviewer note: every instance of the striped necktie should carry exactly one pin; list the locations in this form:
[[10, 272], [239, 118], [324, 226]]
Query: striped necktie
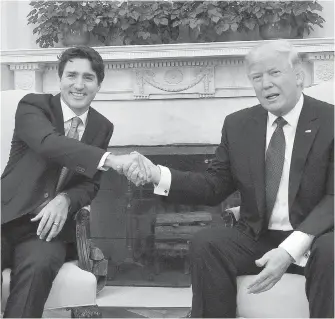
[[274, 163], [73, 133]]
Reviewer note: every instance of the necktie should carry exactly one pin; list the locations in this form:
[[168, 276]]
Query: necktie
[[274, 162], [73, 133]]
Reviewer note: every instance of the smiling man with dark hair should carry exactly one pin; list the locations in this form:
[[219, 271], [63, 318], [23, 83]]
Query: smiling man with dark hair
[[57, 156]]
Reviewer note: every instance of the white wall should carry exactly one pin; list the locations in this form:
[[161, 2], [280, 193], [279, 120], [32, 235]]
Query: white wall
[[328, 27], [16, 34]]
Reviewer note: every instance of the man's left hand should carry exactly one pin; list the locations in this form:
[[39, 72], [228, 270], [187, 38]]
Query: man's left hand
[[275, 263], [52, 217]]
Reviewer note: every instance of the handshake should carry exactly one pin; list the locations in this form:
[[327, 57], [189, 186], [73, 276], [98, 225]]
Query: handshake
[[136, 167]]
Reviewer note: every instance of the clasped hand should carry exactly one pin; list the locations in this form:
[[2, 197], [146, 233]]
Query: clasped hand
[[137, 168]]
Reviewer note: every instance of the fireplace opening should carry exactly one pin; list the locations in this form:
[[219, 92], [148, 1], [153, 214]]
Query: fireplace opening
[[147, 243]]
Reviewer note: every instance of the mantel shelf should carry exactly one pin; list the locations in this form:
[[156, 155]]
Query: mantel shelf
[[165, 51]]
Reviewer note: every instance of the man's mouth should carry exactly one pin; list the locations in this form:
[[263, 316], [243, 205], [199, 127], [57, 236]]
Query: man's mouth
[[272, 96], [77, 94]]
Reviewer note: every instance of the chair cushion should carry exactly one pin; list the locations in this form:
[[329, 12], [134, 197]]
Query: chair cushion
[[72, 287], [286, 299]]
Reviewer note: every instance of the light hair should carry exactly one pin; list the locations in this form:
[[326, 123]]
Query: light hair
[[280, 46]]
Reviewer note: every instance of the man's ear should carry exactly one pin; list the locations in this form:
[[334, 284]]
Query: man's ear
[[300, 76]]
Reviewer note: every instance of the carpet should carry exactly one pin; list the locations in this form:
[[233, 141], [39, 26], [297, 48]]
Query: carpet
[[118, 312]]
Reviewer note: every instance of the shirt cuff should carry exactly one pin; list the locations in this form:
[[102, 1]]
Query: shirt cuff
[[101, 165], [297, 245], [163, 187]]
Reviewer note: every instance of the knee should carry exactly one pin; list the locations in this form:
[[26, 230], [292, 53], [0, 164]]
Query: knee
[[200, 240], [43, 265], [203, 241], [323, 249]]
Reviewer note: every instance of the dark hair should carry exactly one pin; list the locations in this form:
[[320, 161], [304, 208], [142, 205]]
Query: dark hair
[[83, 52]]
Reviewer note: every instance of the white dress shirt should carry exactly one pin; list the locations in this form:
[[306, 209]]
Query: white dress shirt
[[298, 243], [68, 115]]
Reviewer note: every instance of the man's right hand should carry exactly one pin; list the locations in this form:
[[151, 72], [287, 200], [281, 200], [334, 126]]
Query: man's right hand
[[132, 171], [135, 167]]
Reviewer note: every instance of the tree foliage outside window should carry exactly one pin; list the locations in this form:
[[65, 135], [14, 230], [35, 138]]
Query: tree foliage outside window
[[157, 22]]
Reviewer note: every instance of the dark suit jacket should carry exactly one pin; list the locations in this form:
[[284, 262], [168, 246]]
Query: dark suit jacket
[[39, 151], [239, 165]]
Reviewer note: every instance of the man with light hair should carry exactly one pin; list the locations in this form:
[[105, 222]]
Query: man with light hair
[[279, 155]]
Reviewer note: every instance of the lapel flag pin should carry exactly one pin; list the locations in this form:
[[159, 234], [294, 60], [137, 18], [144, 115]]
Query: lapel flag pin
[[308, 131]]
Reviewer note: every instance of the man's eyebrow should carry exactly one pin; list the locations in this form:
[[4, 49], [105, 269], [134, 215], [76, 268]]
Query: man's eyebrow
[[85, 73], [254, 72], [89, 74]]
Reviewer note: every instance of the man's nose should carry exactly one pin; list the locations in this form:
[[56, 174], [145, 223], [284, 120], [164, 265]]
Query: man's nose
[[266, 81], [79, 83]]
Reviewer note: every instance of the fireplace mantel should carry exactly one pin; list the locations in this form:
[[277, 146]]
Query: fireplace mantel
[[172, 94], [165, 51], [167, 71]]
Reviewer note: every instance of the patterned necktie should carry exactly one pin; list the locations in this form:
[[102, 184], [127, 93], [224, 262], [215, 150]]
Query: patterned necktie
[[73, 133], [275, 156]]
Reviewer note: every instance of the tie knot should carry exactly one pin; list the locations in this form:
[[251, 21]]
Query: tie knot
[[280, 122], [75, 122]]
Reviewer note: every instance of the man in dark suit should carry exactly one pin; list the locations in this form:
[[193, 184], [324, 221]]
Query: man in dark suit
[[279, 155], [57, 156]]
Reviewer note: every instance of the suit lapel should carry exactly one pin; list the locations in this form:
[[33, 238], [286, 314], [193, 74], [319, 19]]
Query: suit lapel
[[92, 127], [308, 126], [255, 144], [58, 113]]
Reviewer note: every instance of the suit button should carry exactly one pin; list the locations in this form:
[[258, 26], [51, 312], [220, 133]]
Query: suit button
[[46, 195], [80, 169]]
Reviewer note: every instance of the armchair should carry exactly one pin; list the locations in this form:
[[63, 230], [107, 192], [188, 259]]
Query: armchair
[[78, 282]]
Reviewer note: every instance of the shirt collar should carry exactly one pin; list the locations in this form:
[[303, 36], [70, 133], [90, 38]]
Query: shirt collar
[[291, 117], [68, 114]]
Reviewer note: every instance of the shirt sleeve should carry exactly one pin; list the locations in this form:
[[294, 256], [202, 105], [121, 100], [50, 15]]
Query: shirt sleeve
[[163, 187], [101, 165], [298, 245]]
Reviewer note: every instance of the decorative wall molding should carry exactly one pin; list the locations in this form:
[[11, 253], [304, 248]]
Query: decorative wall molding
[[323, 71], [199, 80], [28, 66], [25, 81], [169, 51], [319, 56], [194, 70]]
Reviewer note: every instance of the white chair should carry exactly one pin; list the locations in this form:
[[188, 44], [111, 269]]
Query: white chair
[[78, 282], [286, 299]]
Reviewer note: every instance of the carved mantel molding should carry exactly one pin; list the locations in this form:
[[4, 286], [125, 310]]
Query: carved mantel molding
[[195, 70], [165, 51]]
